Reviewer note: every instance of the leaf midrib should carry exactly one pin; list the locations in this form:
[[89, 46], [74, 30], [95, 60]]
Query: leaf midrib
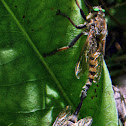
[[38, 53]]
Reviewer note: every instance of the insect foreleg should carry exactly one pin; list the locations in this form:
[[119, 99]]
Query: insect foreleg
[[65, 47], [81, 11], [81, 26]]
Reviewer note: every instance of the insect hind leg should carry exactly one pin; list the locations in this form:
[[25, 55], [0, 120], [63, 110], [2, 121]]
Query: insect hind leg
[[65, 47], [83, 96], [73, 118], [79, 106]]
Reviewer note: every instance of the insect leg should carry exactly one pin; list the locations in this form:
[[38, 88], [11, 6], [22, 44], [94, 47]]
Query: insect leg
[[65, 47], [81, 11], [77, 26], [78, 107], [83, 96], [73, 118], [75, 114]]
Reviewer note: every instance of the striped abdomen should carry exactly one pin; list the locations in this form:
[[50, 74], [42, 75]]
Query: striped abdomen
[[93, 64]]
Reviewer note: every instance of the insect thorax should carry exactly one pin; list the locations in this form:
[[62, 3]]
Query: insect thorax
[[97, 29]]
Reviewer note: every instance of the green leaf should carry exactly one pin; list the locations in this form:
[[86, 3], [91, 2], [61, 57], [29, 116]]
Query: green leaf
[[107, 112], [33, 89]]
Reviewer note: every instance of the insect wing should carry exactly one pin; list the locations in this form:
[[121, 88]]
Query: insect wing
[[87, 121], [99, 65], [63, 117], [82, 65], [98, 68]]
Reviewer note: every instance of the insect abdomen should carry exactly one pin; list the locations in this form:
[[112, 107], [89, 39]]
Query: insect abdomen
[[93, 63], [92, 67]]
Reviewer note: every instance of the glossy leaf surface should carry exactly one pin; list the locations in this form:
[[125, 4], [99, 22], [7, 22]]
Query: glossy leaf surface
[[33, 89]]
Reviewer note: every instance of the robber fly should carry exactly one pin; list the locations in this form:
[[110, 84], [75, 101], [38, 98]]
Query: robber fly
[[66, 119], [94, 48]]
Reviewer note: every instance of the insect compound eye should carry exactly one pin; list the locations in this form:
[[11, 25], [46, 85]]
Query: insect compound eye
[[95, 9], [103, 10]]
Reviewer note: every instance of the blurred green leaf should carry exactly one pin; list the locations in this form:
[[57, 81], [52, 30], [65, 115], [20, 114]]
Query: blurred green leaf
[[35, 89]]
